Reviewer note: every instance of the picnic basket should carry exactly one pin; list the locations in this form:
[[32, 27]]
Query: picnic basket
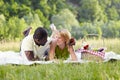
[[90, 54], [91, 57]]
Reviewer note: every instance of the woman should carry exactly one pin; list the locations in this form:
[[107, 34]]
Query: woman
[[62, 46]]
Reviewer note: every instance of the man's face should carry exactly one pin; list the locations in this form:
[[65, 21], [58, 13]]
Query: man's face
[[40, 42]]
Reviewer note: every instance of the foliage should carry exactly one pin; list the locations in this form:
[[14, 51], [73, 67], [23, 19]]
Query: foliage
[[11, 29], [102, 15], [63, 20], [15, 25], [111, 29], [33, 21], [2, 26], [89, 12]]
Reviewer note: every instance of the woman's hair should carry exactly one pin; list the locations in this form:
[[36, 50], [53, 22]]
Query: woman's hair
[[65, 34], [40, 33]]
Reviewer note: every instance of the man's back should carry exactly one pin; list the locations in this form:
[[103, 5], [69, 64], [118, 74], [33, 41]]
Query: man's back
[[28, 44], [34, 46]]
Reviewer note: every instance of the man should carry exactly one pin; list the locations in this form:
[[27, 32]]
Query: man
[[34, 46]]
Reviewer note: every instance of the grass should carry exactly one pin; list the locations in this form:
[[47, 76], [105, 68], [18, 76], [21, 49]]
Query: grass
[[10, 45], [86, 71]]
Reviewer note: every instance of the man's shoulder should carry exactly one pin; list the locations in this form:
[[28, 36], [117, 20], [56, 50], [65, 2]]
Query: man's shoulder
[[28, 38]]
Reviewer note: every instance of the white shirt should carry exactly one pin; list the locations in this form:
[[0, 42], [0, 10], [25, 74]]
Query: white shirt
[[28, 44]]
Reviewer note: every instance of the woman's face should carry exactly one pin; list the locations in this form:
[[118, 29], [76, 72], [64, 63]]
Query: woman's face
[[60, 40]]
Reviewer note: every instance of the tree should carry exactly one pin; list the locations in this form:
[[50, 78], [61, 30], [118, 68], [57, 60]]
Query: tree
[[2, 27], [65, 19], [33, 21], [90, 11], [42, 18], [15, 28]]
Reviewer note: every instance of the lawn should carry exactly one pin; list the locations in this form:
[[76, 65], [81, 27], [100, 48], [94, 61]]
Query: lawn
[[85, 71]]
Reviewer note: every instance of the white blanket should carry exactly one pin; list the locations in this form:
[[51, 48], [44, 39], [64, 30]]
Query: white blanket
[[11, 57]]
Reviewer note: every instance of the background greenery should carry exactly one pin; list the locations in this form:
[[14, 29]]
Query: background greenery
[[81, 17]]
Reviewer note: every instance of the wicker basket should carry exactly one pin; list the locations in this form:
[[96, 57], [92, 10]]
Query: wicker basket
[[90, 57]]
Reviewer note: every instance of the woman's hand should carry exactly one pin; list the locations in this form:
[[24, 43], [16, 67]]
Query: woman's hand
[[72, 53], [71, 42], [70, 45], [71, 49]]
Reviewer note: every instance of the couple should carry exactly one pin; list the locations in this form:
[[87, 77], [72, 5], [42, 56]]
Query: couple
[[59, 46], [39, 47]]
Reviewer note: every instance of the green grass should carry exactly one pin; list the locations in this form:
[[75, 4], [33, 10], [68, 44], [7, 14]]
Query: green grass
[[86, 71]]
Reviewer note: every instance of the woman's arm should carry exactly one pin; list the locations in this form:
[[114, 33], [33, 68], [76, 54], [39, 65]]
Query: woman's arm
[[52, 50], [72, 53], [71, 49]]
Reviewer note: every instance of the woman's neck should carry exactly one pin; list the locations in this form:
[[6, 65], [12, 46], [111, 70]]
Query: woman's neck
[[62, 46]]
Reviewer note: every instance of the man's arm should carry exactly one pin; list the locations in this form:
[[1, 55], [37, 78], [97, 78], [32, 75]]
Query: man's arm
[[30, 55]]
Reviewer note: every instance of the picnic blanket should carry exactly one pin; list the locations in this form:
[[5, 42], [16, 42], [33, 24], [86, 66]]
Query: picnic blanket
[[11, 57]]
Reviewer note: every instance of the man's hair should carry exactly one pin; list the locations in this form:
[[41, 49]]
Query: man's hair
[[40, 33]]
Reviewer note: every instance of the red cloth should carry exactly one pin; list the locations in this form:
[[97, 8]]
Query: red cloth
[[97, 53]]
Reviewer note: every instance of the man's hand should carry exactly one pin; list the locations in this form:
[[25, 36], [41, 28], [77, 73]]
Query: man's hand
[[30, 55]]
